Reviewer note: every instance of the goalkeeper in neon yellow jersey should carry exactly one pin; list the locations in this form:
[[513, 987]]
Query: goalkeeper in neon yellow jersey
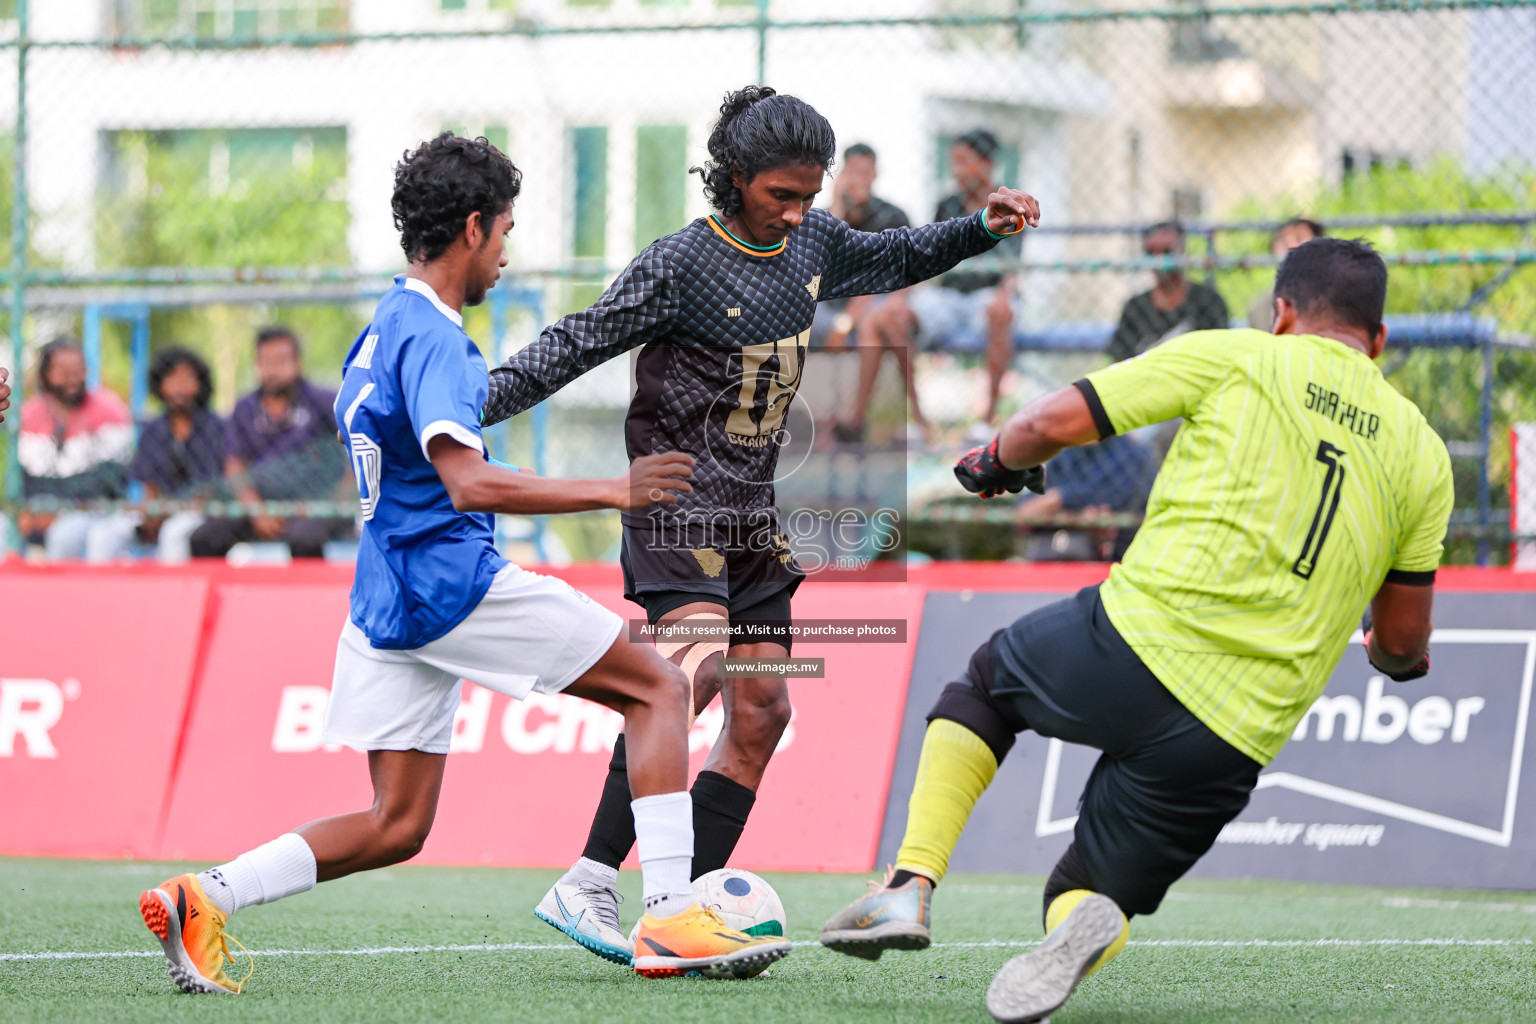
[[1301, 490]]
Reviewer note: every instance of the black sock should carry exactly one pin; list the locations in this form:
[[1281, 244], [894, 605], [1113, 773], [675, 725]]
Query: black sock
[[903, 876], [613, 826], [720, 809]]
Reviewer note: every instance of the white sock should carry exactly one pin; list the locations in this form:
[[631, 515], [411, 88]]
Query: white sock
[[664, 841], [283, 867], [588, 870]]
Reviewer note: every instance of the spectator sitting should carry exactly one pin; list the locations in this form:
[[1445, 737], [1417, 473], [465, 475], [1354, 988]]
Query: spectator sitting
[[74, 446], [978, 295], [1261, 313], [1085, 484], [1175, 305], [854, 202], [181, 454], [280, 445]]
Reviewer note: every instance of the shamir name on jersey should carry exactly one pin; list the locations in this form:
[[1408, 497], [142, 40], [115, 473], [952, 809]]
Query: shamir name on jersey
[[1329, 405]]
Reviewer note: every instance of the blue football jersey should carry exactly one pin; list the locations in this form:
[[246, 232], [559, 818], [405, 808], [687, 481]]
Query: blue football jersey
[[413, 373]]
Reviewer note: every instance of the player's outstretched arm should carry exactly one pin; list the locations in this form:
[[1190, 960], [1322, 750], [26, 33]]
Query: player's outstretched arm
[[1397, 640], [637, 308], [1040, 430], [475, 485], [1031, 436], [866, 263]]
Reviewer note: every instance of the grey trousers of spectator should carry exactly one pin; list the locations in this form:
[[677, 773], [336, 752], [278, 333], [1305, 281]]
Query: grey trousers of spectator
[[305, 537]]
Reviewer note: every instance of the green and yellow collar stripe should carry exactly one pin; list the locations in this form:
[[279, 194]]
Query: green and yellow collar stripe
[[746, 247]]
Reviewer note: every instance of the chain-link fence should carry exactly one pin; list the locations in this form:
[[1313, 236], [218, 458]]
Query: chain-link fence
[[182, 173]]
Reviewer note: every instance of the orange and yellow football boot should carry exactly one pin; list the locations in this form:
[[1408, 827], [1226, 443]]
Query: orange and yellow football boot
[[699, 941], [190, 928]]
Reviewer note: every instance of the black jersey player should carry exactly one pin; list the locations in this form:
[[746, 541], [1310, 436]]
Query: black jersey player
[[722, 311]]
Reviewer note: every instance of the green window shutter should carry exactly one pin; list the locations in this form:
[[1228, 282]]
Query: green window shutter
[[247, 22], [661, 181], [453, 5], [589, 151]]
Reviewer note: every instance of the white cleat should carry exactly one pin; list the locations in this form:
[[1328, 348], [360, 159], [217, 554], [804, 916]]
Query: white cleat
[[588, 912], [1032, 986]]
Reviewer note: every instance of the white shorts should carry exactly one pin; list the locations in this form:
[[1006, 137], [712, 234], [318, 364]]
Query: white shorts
[[529, 633]]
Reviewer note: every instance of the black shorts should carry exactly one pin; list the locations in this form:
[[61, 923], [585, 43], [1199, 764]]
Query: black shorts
[[748, 569], [1165, 785]]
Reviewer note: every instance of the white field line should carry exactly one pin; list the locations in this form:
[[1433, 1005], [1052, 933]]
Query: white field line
[[504, 947], [1392, 902]]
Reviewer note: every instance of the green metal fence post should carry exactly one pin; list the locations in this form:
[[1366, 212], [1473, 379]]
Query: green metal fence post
[[18, 264], [762, 42]]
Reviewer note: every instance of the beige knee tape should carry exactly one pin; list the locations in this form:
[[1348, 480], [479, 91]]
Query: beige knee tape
[[698, 650]]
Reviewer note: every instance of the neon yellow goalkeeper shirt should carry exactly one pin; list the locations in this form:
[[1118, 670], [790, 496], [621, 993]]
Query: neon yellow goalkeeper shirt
[[1298, 483]]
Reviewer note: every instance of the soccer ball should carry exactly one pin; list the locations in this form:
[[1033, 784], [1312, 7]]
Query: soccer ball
[[746, 902]]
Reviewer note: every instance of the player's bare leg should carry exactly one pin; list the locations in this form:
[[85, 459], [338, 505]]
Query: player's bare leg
[[675, 935], [584, 902], [757, 711], [406, 784], [653, 696], [699, 652], [188, 913]]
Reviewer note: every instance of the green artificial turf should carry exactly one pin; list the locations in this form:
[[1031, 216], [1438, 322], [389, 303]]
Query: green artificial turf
[[1331, 963]]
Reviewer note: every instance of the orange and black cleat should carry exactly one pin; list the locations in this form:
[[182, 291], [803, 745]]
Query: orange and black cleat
[[190, 928], [699, 941]]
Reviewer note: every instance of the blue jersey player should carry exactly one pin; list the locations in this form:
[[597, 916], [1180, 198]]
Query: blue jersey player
[[433, 603]]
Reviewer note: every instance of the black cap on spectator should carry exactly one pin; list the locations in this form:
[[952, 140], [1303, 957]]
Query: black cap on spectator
[[981, 141]]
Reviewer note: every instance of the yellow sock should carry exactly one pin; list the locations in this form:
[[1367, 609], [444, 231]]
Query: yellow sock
[[1062, 905], [955, 768]]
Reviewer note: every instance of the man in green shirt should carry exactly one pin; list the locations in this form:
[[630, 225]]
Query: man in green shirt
[[1301, 491]]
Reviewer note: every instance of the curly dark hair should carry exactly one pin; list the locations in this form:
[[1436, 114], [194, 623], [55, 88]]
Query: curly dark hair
[[759, 130], [441, 183], [165, 363]]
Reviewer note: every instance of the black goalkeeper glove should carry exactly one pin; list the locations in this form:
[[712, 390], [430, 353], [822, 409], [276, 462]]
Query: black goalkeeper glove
[[981, 472], [1418, 671]]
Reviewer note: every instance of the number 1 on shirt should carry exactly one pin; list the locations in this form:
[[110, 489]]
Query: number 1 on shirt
[[1327, 505]]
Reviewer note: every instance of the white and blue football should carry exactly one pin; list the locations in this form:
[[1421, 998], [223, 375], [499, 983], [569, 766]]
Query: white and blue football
[[745, 901]]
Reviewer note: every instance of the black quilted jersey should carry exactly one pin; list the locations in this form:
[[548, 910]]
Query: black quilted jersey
[[724, 327]]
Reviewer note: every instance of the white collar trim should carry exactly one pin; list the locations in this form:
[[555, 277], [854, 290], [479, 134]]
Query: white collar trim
[[420, 287]]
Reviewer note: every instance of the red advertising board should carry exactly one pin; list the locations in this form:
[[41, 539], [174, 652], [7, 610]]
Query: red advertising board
[[525, 776], [151, 711], [271, 647], [95, 672]]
